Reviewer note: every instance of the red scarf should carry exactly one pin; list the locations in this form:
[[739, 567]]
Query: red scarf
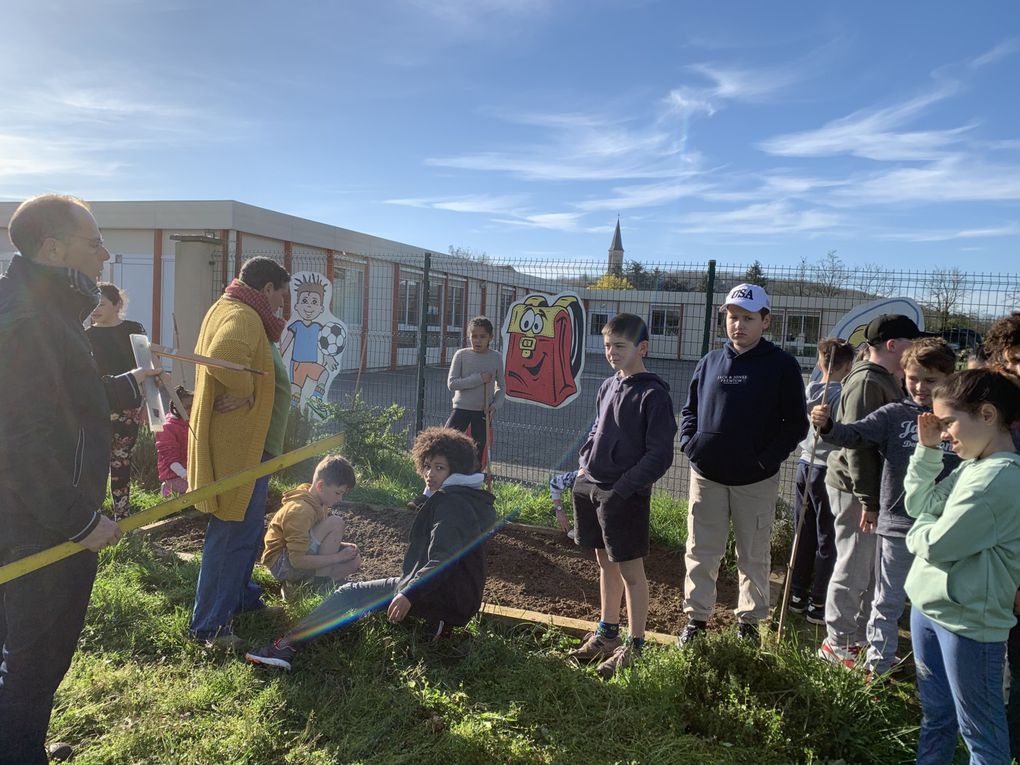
[[250, 296]]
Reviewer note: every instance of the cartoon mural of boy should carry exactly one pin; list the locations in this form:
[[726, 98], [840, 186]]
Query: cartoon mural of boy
[[308, 363]]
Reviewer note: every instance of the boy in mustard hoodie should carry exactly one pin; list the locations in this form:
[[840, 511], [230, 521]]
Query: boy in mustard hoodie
[[303, 539]]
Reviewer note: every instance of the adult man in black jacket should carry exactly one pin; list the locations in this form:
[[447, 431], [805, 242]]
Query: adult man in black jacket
[[54, 456]]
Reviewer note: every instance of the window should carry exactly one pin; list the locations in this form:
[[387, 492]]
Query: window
[[408, 312], [506, 298], [801, 336], [596, 321], [455, 308], [665, 321], [348, 293]]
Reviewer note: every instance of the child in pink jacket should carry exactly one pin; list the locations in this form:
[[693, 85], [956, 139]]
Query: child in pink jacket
[[172, 447]]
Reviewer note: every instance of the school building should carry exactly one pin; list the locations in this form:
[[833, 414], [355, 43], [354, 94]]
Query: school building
[[173, 259]]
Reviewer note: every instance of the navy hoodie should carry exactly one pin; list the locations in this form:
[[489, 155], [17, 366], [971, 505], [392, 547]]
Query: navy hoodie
[[630, 445], [745, 414]]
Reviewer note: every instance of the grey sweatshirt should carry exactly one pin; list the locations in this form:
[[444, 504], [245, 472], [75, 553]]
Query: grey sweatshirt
[[813, 393], [892, 429], [867, 387], [465, 379]]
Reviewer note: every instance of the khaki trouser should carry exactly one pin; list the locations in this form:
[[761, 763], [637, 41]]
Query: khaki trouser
[[711, 507]]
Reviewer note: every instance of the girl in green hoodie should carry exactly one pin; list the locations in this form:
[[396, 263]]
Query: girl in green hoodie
[[966, 570]]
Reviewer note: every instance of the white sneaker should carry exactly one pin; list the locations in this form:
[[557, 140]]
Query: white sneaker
[[845, 657]]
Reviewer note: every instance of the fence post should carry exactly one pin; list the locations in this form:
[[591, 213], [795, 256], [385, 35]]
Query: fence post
[[423, 340], [709, 300]]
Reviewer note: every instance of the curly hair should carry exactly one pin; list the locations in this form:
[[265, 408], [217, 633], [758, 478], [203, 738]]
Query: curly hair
[[930, 353], [457, 447], [1003, 335]]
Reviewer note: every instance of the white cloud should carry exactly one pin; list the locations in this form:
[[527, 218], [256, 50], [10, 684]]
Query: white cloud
[[482, 203], [646, 195], [959, 178], [944, 235], [551, 221], [762, 219]]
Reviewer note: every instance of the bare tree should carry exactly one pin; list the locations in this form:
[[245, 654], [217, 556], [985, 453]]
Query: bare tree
[[945, 288], [873, 279], [469, 254], [830, 275]]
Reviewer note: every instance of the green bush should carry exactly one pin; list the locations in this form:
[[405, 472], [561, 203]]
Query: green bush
[[144, 471], [373, 443]]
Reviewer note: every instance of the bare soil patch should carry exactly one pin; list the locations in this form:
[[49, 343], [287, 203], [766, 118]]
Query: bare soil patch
[[529, 568]]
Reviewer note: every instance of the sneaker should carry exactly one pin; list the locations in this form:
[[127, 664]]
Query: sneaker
[[595, 646], [272, 655], [60, 751], [691, 632], [845, 657], [749, 632], [622, 658], [798, 604], [815, 614]]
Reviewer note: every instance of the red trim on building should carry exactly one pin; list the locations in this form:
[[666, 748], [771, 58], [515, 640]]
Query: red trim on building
[[329, 265], [157, 284], [364, 317], [288, 264], [443, 323], [481, 310], [238, 250], [395, 324], [225, 257]]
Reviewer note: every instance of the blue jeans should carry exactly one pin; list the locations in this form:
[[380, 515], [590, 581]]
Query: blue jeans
[[228, 558], [41, 616], [816, 545], [361, 598], [959, 681], [892, 564]]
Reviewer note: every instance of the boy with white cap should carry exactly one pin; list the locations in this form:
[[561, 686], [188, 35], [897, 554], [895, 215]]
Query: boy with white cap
[[745, 414]]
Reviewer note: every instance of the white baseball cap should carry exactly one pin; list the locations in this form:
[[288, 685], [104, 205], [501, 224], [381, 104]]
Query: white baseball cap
[[750, 297]]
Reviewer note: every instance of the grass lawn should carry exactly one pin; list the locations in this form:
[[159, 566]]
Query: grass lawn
[[140, 692]]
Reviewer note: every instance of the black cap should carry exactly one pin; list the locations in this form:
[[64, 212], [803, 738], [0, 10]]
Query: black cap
[[892, 326]]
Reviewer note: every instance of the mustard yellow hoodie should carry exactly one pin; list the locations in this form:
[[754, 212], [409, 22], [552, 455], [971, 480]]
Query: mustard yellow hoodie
[[291, 524]]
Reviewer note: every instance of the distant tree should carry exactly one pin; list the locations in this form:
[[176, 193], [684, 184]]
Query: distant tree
[[468, 254], [830, 275], [756, 275], [873, 279], [945, 288], [675, 283], [802, 282], [641, 279], [611, 282]]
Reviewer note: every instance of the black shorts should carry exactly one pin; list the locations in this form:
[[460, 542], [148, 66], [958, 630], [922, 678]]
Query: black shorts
[[605, 520]]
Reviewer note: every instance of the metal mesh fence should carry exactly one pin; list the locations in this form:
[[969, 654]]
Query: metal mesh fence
[[406, 315]]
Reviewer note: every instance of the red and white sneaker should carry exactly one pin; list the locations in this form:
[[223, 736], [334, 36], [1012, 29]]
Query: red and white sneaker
[[845, 657]]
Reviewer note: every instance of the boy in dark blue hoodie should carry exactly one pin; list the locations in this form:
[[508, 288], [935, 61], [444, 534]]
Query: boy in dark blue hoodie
[[629, 447], [745, 414]]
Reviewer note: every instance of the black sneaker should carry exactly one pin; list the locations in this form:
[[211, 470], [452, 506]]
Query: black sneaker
[[691, 632], [272, 655], [749, 632], [798, 604], [816, 614]]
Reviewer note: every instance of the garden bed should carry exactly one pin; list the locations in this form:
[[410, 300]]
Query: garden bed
[[531, 569]]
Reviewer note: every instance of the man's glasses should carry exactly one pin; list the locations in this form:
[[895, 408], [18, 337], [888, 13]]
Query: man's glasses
[[95, 244]]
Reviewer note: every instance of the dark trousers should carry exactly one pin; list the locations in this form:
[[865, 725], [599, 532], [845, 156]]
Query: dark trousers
[[816, 546], [1013, 708], [473, 423], [41, 618]]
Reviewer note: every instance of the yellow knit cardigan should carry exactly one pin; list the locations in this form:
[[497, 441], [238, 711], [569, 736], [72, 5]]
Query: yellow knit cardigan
[[221, 444]]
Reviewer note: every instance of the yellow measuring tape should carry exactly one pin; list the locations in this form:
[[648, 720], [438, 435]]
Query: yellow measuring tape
[[164, 509]]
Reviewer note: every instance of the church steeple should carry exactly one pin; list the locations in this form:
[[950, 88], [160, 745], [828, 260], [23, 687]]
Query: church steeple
[[616, 251]]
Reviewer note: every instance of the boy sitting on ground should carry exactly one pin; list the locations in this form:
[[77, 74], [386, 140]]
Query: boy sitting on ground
[[443, 573], [304, 540]]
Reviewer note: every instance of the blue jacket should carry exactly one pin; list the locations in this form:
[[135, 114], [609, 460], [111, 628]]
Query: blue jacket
[[745, 414], [630, 445]]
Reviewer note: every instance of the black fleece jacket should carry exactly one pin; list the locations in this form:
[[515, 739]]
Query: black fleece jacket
[[54, 411], [444, 567], [745, 414], [630, 445]]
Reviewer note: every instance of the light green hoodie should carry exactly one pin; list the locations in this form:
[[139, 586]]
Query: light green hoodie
[[966, 542]]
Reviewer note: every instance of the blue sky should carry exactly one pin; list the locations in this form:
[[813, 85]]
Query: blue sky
[[738, 131]]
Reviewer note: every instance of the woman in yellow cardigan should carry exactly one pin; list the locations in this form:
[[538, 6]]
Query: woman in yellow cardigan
[[237, 420]]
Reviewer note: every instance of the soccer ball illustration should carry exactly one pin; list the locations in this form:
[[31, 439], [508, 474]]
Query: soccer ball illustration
[[333, 339]]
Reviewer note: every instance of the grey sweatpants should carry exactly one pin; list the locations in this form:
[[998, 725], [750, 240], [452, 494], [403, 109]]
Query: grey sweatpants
[[892, 564], [851, 588]]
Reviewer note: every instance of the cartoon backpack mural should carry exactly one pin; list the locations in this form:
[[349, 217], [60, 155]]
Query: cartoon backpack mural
[[543, 349], [313, 341]]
